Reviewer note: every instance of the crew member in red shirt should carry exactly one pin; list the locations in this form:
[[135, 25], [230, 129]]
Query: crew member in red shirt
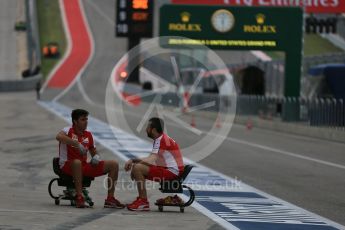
[[164, 163], [74, 144]]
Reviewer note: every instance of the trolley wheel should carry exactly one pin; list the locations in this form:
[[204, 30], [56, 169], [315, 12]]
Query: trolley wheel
[[160, 208], [50, 188], [57, 201], [91, 203], [182, 209], [72, 202]]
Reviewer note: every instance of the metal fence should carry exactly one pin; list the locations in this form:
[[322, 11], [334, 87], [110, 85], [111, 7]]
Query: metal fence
[[326, 112], [322, 112]]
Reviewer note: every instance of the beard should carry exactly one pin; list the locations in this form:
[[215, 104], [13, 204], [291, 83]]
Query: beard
[[149, 135]]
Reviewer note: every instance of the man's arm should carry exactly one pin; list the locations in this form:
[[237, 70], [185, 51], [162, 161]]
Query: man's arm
[[93, 152], [63, 138], [149, 160]]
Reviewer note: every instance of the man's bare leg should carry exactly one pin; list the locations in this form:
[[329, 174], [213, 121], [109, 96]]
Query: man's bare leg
[[139, 172], [77, 175], [112, 168]]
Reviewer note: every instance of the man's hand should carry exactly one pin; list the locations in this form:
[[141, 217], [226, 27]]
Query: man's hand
[[95, 159], [82, 149], [128, 165]]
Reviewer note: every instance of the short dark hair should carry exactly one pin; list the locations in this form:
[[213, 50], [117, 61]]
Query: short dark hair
[[77, 113], [157, 123]]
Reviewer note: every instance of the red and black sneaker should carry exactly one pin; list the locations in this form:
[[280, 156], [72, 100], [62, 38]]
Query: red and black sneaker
[[80, 202], [113, 203], [139, 204]]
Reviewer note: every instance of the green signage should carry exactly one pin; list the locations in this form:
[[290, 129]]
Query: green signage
[[248, 28], [238, 28]]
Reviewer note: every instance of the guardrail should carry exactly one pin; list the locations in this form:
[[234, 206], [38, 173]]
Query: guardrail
[[325, 112], [320, 112], [30, 83]]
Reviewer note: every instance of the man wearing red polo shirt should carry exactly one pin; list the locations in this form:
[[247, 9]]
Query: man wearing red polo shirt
[[74, 144], [164, 163]]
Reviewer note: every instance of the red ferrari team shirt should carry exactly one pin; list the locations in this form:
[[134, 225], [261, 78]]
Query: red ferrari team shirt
[[68, 152], [169, 154]]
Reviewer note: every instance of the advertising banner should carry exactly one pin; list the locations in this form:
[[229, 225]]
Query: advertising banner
[[310, 6]]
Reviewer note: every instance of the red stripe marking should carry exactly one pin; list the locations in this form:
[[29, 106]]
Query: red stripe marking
[[131, 99], [80, 46]]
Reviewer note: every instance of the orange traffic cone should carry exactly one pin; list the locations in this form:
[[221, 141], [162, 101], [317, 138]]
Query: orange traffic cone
[[192, 123], [249, 124]]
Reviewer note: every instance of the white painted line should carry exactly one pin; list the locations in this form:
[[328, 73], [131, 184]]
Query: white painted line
[[92, 40], [92, 44], [84, 94], [211, 215], [262, 193], [287, 153]]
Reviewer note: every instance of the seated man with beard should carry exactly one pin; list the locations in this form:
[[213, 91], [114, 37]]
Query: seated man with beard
[[164, 163]]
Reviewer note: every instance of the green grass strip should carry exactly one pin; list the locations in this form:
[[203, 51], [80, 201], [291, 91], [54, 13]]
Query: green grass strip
[[50, 30]]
